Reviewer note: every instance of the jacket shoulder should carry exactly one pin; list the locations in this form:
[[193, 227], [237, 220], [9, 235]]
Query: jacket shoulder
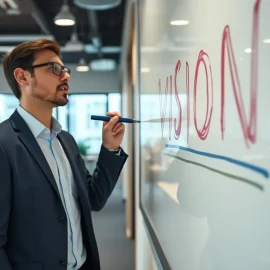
[[6, 132]]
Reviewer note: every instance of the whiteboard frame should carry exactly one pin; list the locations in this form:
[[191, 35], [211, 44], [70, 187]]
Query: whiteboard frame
[[158, 252]]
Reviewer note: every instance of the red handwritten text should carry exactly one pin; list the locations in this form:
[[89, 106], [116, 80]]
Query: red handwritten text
[[249, 126]]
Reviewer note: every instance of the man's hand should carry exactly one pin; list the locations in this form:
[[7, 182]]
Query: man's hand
[[113, 131]]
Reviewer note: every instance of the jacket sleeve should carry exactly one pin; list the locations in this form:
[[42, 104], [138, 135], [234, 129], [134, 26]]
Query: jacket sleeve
[[5, 205], [104, 178]]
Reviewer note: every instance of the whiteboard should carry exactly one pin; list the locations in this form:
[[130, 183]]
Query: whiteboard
[[204, 157]]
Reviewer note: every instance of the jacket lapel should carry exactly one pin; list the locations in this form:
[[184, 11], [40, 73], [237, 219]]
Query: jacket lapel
[[29, 141]]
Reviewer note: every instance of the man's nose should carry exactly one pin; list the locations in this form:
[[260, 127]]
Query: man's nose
[[65, 76]]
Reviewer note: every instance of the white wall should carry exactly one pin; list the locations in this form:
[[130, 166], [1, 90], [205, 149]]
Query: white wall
[[144, 251], [126, 110], [81, 82]]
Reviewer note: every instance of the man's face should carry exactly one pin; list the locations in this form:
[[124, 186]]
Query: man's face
[[46, 85]]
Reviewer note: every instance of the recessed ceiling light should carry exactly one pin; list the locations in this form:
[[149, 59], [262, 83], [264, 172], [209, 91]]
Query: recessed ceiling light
[[82, 67], [266, 40], [179, 22], [64, 22], [248, 50], [103, 64], [73, 44], [64, 17], [145, 70]]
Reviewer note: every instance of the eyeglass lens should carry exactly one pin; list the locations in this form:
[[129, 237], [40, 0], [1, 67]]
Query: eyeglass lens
[[57, 69]]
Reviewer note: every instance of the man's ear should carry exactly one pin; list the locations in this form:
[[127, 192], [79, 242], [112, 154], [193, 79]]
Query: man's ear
[[22, 76]]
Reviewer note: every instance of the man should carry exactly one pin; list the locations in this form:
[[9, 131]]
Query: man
[[46, 193]]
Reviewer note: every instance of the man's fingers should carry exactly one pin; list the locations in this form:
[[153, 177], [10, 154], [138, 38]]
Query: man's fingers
[[118, 124], [120, 128], [112, 122], [113, 114]]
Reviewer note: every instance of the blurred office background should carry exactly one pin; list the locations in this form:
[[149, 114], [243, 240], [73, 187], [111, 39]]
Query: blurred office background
[[91, 40], [126, 55]]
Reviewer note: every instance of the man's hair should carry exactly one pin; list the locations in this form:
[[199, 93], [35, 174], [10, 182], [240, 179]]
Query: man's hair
[[23, 56]]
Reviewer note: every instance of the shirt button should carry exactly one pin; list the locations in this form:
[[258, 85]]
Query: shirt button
[[62, 261], [62, 219]]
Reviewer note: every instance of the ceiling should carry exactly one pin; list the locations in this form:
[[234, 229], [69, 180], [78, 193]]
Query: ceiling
[[100, 31]]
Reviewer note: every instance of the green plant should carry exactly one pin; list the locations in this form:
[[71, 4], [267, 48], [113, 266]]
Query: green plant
[[83, 147]]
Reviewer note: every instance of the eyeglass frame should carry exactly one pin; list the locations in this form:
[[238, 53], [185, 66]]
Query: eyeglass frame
[[63, 68]]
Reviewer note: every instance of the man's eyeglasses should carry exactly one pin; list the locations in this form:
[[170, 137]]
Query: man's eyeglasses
[[56, 68]]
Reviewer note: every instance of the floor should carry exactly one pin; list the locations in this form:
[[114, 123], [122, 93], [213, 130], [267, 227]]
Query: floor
[[115, 249]]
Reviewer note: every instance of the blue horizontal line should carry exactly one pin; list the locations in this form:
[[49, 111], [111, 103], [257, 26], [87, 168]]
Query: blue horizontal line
[[251, 167]]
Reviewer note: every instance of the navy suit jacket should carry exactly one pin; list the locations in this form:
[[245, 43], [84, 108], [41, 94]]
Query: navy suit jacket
[[33, 228]]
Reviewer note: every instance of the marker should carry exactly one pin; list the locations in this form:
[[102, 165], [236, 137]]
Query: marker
[[107, 118], [127, 120]]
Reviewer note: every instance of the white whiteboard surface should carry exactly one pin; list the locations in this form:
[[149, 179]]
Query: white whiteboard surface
[[205, 163]]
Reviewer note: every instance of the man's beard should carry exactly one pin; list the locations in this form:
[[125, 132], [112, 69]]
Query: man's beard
[[59, 101], [44, 95]]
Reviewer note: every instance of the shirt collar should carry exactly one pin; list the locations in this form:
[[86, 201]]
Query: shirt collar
[[36, 126]]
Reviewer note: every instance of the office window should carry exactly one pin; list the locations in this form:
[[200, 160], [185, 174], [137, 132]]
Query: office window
[[114, 102], [76, 116], [8, 104], [81, 107], [85, 130], [62, 116]]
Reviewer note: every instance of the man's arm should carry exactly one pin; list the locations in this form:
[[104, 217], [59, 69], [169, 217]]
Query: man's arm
[[109, 164], [104, 178], [5, 203]]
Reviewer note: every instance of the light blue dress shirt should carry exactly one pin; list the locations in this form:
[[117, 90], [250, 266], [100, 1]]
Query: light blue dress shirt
[[61, 170]]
